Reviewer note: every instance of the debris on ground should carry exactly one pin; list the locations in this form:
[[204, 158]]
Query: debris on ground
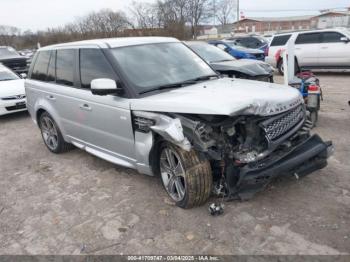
[[216, 209]]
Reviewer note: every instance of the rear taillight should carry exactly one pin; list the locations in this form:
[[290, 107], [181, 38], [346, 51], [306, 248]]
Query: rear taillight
[[267, 51], [313, 88]]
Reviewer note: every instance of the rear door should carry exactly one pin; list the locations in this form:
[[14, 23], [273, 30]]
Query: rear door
[[334, 52], [307, 49]]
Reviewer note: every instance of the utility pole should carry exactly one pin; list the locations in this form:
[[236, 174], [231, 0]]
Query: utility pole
[[238, 15]]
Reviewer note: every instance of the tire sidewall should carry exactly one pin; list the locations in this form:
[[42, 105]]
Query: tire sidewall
[[184, 201], [59, 135]]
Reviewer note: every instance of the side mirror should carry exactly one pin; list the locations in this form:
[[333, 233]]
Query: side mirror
[[23, 75], [104, 86], [345, 39]]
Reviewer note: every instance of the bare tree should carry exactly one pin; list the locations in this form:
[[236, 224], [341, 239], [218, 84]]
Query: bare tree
[[199, 10], [225, 11]]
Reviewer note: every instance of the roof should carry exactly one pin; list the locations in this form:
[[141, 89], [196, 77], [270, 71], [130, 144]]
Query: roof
[[113, 42], [277, 19], [344, 13]]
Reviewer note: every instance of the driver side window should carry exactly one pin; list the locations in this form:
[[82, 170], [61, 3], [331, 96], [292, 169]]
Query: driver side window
[[94, 65]]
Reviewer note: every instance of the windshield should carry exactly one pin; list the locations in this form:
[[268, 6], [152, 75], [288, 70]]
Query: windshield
[[211, 53], [154, 65], [6, 74], [7, 51]]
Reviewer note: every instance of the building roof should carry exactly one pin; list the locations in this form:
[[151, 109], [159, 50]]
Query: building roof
[[278, 19], [113, 42]]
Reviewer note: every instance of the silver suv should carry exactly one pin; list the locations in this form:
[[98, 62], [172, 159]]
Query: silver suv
[[153, 105]]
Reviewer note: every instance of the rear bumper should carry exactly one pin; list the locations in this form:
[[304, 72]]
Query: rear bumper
[[307, 157]]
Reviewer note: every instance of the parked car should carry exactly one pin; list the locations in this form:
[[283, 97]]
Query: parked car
[[252, 41], [152, 104], [12, 93], [316, 49], [13, 60], [229, 66], [238, 52]]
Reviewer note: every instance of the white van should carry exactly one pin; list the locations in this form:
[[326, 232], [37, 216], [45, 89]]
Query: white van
[[318, 49]]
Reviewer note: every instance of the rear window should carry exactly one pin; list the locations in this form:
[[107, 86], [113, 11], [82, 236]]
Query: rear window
[[280, 40], [65, 67], [310, 38], [41, 65]]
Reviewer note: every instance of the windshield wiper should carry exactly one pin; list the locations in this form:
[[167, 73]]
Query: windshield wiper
[[179, 84], [224, 60]]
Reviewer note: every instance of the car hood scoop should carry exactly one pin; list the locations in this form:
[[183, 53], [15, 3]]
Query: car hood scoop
[[223, 96]]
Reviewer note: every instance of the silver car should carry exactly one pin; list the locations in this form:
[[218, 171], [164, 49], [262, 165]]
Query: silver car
[[153, 105]]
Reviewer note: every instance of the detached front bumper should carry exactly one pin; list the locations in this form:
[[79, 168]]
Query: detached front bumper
[[302, 160]]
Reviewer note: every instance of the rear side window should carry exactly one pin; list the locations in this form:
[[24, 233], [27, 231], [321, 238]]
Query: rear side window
[[65, 67], [94, 65], [51, 72], [280, 40], [311, 38], [41, 66], [331, 37]]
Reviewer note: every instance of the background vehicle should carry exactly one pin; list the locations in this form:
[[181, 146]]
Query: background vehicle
[[318, 49], [152, 104], [253, 42], [13, 60], [12, 93], [238, 52], [229, 66]]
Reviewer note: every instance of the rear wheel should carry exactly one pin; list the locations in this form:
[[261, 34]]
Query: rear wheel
[[52, 135], [280, 67], [186, 177]]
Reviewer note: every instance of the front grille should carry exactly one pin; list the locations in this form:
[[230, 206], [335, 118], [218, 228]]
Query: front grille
[[13, 97], [16, 107], [277, 127]]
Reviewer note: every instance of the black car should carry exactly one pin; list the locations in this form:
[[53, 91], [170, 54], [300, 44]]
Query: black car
[[227, 65], [13, 60]]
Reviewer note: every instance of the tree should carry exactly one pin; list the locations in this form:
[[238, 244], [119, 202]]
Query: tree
[[225, 11], [199, 10]]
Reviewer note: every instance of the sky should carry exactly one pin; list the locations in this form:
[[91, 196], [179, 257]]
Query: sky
[[41, 14]]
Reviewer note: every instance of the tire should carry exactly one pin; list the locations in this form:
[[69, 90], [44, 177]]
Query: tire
[[188, 180], [52, 135], [281, 69]]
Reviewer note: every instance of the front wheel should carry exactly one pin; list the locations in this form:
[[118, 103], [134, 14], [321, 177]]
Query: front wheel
[[186, 177]]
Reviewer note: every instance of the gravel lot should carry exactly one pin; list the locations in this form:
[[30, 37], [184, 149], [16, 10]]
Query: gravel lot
[[75, 203]]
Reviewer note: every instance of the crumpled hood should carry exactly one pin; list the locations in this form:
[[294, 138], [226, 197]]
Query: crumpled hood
[[12, 88], [245, 66], [223, 96]]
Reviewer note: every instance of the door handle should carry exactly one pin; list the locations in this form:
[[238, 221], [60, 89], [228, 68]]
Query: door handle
[[85, 107], [51, 97], [324, 47]]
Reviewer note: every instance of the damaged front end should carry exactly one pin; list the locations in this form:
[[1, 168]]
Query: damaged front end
[[246, 151]]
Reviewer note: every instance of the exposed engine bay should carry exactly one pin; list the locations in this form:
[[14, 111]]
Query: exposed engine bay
[[231, 144]]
